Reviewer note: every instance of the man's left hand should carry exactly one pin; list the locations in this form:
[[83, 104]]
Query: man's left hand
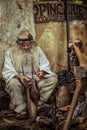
[[41, 74]]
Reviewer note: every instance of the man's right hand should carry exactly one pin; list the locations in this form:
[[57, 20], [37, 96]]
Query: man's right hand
[[21, 78]]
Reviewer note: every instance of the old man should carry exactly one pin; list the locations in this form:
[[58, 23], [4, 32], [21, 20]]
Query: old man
[[18, 67]]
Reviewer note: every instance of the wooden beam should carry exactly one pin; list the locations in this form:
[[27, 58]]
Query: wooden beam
[[80, 73]]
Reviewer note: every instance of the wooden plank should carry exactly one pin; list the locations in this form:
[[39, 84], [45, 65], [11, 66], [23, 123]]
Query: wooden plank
[[79, 72]]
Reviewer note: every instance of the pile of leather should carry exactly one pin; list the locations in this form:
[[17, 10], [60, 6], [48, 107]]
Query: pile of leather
[[65, 77]]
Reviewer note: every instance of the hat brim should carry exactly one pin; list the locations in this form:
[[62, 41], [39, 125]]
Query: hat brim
[[24, 41]]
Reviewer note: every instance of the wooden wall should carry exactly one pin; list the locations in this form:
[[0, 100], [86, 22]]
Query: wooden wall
[[51, 37]]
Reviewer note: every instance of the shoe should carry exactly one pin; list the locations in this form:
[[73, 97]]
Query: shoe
[[22, 116], [44, 121]]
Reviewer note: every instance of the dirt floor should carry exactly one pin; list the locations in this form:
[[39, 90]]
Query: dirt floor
[[9, 122]]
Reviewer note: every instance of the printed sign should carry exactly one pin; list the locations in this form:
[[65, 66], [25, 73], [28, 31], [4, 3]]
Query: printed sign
[[56, 11]]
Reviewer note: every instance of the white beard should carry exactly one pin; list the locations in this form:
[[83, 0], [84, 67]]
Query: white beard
[[25, 61]]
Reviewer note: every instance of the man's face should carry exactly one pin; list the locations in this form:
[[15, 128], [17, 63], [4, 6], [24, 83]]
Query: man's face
[[25, 46]]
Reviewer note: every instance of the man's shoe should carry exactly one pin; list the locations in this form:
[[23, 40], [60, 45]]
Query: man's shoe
[[45, 121], [22, 116]]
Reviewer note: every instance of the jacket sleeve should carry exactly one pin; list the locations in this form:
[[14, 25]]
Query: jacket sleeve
[[44, 64], [8, 71]]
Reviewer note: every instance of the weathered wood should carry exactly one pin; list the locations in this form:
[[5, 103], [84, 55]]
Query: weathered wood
[[73, 104], [76, 94], [79, 72], [52, 39], [31, 107]]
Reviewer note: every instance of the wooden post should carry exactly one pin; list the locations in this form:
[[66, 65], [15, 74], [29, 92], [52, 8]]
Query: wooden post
[[80, 73], [31, 107]]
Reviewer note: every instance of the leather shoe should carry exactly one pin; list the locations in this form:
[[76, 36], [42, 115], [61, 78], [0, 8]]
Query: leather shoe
[[45, 121], [22, 117]]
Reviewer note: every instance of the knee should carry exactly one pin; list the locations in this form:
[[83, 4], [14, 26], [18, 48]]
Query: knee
[[54, 80], [13, 83]]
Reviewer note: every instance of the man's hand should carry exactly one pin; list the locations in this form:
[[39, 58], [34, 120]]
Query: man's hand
[[41, 74], [21, 78]]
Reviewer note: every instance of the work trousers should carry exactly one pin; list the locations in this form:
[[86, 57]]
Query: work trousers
[[17, 94]]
